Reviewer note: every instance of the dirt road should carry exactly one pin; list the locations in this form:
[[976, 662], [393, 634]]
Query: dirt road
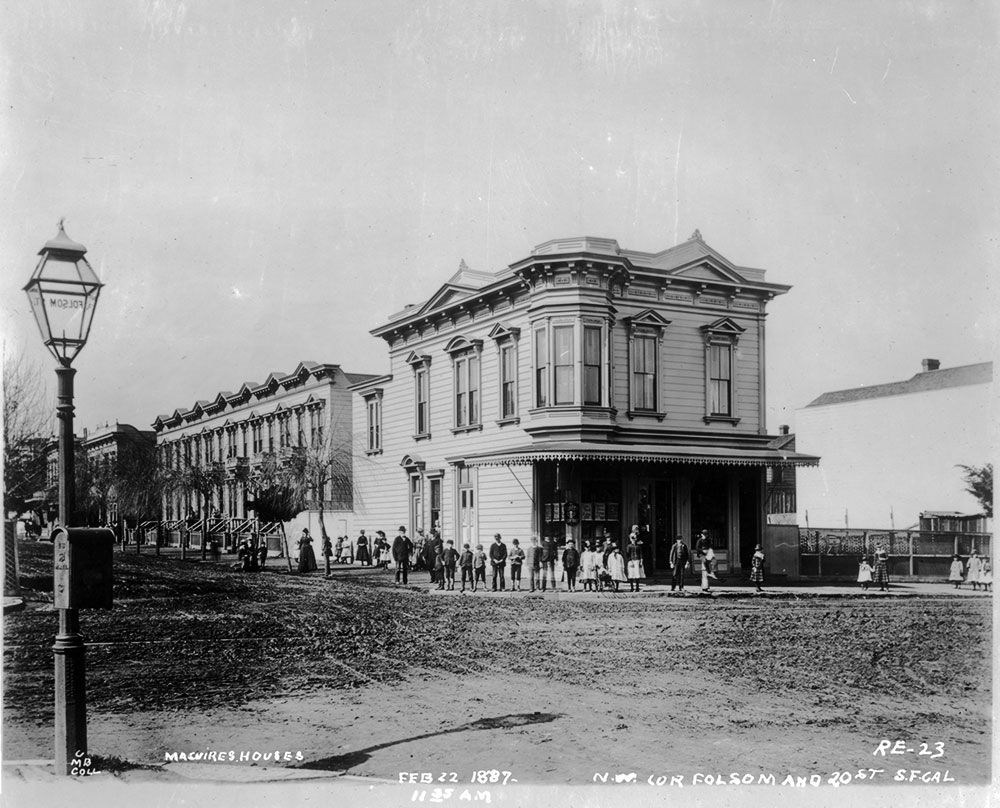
[[361, 677]]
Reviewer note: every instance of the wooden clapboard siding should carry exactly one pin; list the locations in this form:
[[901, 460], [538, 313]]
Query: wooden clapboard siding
[[682, 371], [505, 503]]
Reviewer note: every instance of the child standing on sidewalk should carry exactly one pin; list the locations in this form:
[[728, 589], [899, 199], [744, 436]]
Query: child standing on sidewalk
[[864, 573], [515, 558], [957, 573], [479, 567], [465, 564], [450, 559]]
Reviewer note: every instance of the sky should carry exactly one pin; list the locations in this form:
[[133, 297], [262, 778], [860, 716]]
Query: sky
[[260, 183]]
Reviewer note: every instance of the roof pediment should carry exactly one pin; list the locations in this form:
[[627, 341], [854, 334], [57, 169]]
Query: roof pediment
[[710, 269], [502, 331]]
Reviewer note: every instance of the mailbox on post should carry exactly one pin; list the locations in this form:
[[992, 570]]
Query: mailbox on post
[[83, 567]]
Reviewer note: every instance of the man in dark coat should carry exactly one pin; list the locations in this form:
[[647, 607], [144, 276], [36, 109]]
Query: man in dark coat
[[498, 558], [680, 557], [401, 549], [434, 548], [570, 562]]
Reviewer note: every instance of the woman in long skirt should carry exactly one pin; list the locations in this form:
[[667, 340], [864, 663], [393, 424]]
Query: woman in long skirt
[[364, 555], [974, 570], [757, 567], [707, 568], [307, 558], [633, 558], [882, 569], [616, 567]]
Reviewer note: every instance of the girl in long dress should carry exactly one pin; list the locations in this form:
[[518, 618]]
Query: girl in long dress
[[986, 576], [588, 569], [955, 575], [757, 567], [633, 557], [864, 573], [616, 567], [307, 558]]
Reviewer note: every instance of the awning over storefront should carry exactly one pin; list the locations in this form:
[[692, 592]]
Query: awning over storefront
[[646, 453]]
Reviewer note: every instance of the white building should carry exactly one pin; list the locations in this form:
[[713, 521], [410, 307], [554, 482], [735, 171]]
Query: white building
[[890, 451]]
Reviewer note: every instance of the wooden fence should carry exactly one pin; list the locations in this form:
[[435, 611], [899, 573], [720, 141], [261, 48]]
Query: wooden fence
[[836, 552]]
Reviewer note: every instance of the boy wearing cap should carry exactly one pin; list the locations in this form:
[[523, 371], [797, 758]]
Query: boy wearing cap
[[516, 558], [449, 558], [465, 564], [479, 567]]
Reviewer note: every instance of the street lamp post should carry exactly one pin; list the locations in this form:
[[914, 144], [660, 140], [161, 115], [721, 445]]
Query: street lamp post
[[63, 291]]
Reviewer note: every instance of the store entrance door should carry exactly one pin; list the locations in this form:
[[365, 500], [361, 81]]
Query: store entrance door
[[661, 525]]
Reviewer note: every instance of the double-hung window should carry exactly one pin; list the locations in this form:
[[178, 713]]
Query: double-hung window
[[421, 365], [373, 404], [592, 366], [423, 402], [562, 350], [720, 380], [541, 367], [508, 381], [644, 373], [465, 356], [721, 340]]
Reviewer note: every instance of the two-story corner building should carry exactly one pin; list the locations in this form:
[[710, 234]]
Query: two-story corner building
[[583, 389], [234, 431], [109, 450]]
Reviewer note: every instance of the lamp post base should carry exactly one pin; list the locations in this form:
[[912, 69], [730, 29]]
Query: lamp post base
[[71, 694]]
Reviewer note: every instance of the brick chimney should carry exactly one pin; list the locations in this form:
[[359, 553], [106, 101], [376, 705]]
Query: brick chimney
[[783, 429], [930, 364]]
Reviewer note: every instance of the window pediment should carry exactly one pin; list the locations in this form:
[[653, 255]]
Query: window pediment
[[648, 317], [416, 360], [501, 332], [459, 344], [723, 329]]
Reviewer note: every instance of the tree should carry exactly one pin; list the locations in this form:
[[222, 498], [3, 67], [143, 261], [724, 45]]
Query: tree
[[142, 483], [276, 497], [26, 429], [979, 483], [324, 467], [203, 482]]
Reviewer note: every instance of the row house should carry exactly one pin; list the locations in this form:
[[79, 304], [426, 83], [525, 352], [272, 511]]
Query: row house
[[234, 431], [579, 391]]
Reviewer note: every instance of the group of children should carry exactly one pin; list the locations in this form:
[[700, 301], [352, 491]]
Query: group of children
[[596, 570], [978, 572]]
